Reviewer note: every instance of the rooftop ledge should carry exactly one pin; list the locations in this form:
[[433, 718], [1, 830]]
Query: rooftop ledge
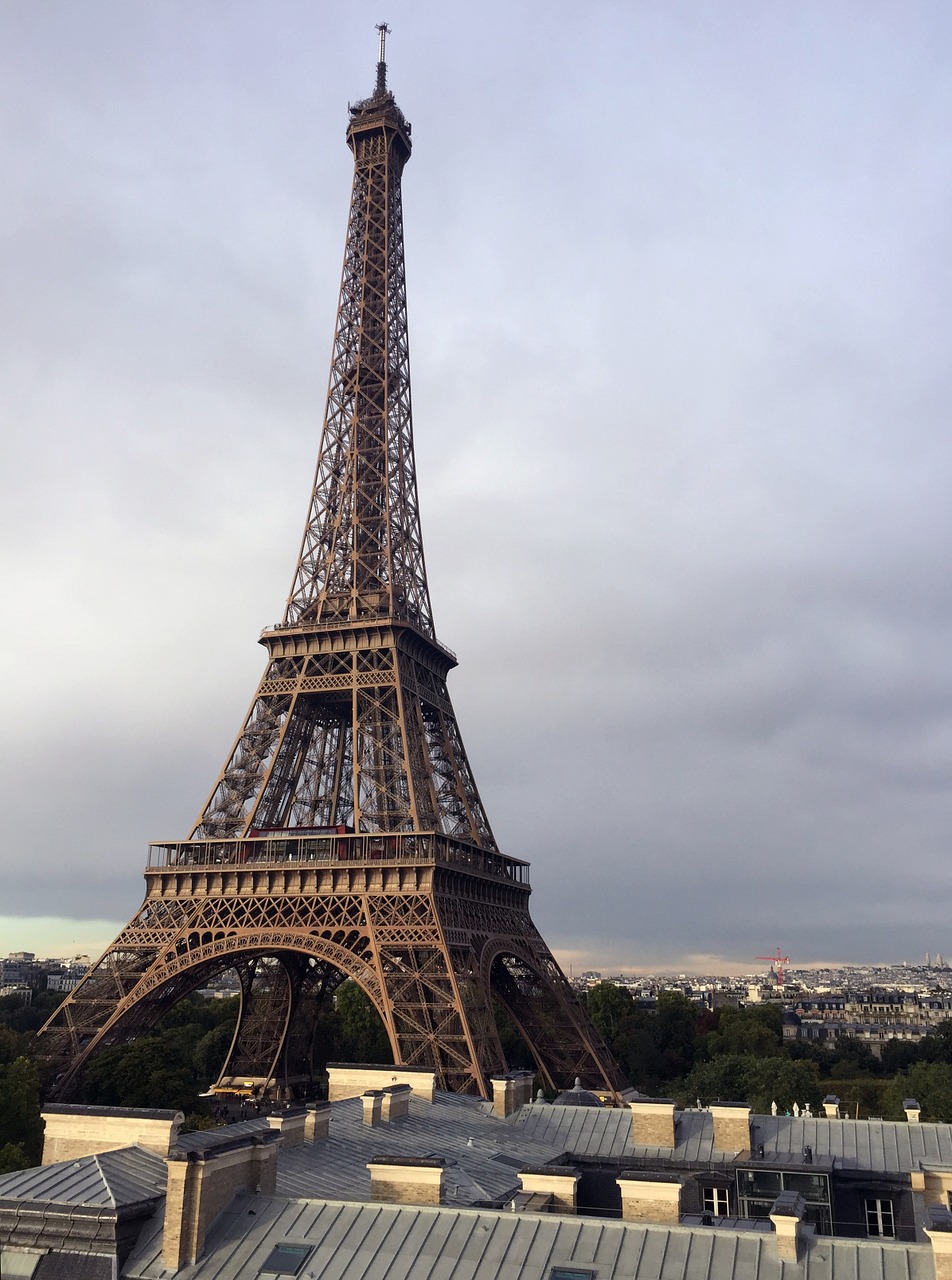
[[292, 848]]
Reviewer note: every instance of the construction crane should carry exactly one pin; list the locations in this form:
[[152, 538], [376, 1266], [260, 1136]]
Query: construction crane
[[778, 962]]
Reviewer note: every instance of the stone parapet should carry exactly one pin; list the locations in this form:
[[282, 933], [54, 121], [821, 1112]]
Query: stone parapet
[[351, 1079], [75, 1131]]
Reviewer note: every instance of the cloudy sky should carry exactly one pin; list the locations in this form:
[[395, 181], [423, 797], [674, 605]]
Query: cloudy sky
[[681, 321]]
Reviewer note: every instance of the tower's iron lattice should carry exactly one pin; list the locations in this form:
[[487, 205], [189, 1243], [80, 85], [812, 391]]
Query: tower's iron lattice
[[345, 836]]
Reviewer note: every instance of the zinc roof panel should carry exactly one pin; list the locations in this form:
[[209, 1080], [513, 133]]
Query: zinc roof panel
[[107, 1180], [471, 1141], [697, 1255], [390, 1242]]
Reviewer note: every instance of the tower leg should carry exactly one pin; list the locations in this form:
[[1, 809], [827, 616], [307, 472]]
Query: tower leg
[[562, 1039], [280, 998]]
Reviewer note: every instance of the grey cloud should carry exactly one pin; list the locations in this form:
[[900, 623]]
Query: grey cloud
[[680, 320]]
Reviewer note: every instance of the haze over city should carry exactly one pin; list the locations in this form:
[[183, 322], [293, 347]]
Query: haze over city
[[680, 317]]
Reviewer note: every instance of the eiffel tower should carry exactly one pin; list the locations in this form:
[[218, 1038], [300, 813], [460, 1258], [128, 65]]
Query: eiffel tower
[[345, 836]]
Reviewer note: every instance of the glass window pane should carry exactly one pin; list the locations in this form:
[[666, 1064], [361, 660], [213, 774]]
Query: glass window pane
[[286, 1259], [879, 1218], [759, 1182], [812, 1186]]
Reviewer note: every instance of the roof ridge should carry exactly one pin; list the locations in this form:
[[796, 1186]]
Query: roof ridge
[[104, 1176]]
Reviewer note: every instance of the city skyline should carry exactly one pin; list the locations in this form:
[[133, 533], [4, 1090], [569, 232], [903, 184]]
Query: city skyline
[[680, 316], [46, 940]]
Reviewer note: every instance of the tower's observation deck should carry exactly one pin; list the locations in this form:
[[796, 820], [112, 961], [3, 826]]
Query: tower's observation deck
[[293, 849]]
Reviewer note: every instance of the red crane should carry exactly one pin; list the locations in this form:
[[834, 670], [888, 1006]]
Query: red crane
[[778, 961]]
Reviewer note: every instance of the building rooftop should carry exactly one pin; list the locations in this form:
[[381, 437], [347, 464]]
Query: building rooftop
[[112, 1180], [348, 1241], [483, 1154], [881, 1146]]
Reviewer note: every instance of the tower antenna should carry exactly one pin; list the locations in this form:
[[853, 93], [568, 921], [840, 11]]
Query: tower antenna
[[382, 60]]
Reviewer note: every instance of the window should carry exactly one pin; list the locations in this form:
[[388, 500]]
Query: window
[[286, 1260], [879, 1218], [716, 1201], [758, 1188]]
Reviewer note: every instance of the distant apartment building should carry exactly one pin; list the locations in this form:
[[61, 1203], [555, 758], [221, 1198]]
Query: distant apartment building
[[872, 1016], [21, 969]]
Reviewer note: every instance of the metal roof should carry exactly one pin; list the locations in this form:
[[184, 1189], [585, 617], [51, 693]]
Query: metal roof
[[409, 1242], [483, 1154], [882, 1146], [879, 1146], [225, 1137], [589, 1130], [606, 1133], [108, 1180], [60, 1265]]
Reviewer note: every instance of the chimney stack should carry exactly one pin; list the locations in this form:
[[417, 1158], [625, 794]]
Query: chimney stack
[[649, 1198], [372, 1102], [831, 1106], [72, 1131], [523, 1081], [912, 1110], [203, 1175], [731, 1126], [652, 1122], [351, 1079], [401, 1180], [786, 1214], [396, 1102], [291, 1125], [559, 1182], [317, 1122], [504, 1096], [939, 1231]]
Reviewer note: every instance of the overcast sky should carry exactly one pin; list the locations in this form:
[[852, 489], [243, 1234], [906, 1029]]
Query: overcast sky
[[681, 320]]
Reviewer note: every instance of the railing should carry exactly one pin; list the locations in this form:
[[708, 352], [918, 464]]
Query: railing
[[285, 848], [331, 622]]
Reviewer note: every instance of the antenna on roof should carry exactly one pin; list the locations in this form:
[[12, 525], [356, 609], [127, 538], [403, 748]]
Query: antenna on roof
[[382, 60]]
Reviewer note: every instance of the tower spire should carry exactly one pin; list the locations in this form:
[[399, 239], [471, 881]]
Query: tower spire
[[381, 86]]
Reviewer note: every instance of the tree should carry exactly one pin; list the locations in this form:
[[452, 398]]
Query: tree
[[676, 1034], [168, 1066], [608, 1005], [756, 1081], [930, 1083], [363, 1037], [783, 1081], [851, 1058], [21, 1129], [722, 1078], [516, 1053], [756, 1030], [654, 1047]]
